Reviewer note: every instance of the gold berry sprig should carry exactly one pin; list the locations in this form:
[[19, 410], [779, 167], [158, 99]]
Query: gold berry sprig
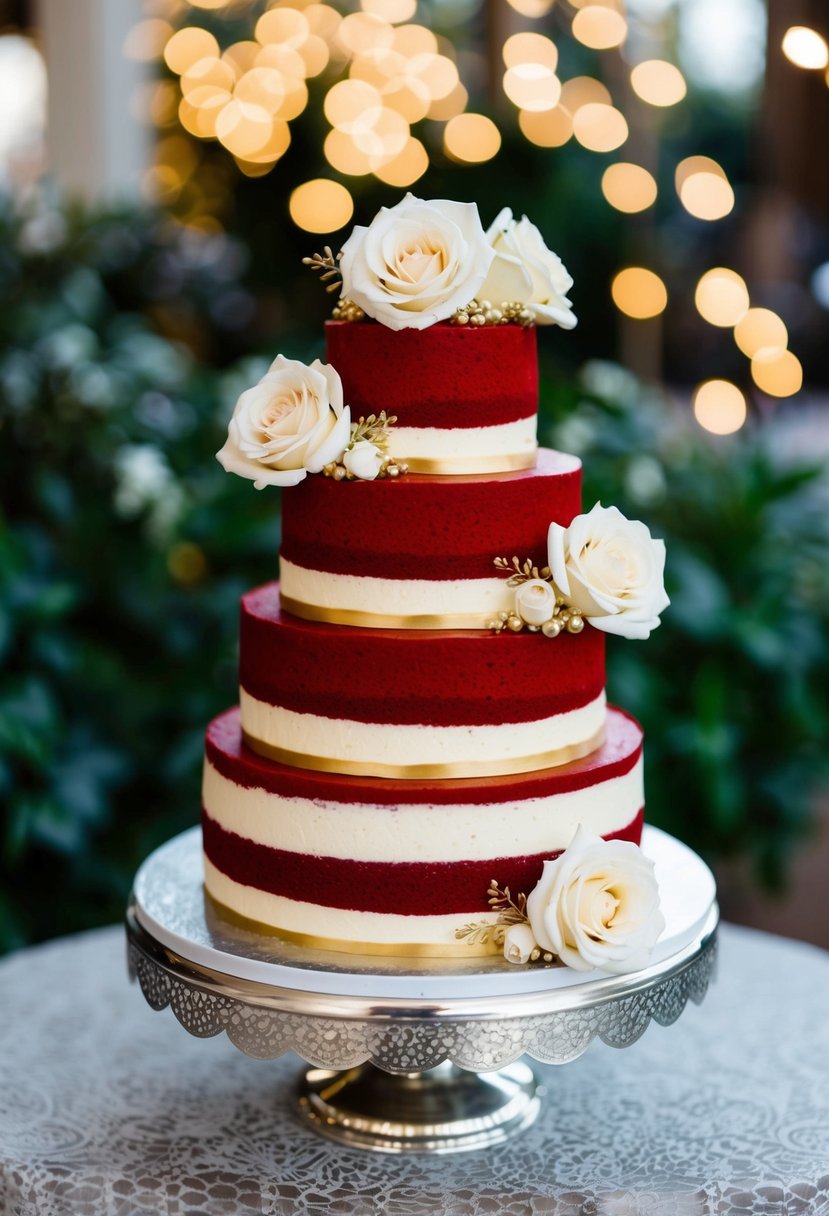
[[373, 429], [564, 618], [328, 267], [484, 312], [510, 912]]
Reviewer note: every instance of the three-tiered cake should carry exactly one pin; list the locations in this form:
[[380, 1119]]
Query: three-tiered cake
[[421, 726]]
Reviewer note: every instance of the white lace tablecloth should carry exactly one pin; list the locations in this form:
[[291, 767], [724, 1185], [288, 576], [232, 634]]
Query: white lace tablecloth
[[109, 1109]]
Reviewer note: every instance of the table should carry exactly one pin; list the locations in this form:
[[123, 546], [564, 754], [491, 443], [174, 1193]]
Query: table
[[110, 1109]]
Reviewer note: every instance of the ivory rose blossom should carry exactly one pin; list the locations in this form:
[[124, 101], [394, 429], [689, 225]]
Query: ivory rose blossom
[[291, 423], [416, 262], [611, 569], [535, 601], [519, 943], [524, 269], [364, 460], [597, 905]]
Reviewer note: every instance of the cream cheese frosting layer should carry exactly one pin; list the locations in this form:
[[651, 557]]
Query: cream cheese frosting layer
[[341, 924], [485, 449], [426, 833], [350, 599], [380, 747]]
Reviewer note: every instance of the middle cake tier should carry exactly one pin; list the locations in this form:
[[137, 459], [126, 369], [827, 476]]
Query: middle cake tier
[[417, 552], [411, 705]]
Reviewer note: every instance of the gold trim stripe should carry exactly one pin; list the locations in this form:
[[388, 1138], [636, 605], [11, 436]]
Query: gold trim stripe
[[466, 466], [427, 772], [340, 946], [382, 620]]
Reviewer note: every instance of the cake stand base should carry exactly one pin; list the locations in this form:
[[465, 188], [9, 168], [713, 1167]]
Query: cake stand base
[[442, 1110]]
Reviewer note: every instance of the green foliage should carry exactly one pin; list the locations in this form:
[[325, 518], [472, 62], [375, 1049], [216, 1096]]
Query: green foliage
[[731, 689]]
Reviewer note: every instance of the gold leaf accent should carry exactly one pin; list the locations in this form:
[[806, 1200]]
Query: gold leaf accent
[[328, 267]]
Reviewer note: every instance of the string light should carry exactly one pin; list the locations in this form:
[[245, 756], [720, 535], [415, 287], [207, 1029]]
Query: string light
[[582, 91], [600, 128], [599, 27], [703, 188], [532, 8], [532, 86], [760, 327], [777, 372], [405, 168], [548, 128], [530, 48], [719, 407], [472, 138], [628, 187], [187, 46], [658, 82], [321, 205], [639, 293], [721, 297], [805, 48]]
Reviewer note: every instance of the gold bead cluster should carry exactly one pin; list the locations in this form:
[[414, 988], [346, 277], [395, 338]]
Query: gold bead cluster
[[484, 312], [564, 619], [347, 310], [389, 468]]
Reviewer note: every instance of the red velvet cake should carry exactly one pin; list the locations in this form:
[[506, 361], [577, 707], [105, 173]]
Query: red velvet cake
[[422, 705]]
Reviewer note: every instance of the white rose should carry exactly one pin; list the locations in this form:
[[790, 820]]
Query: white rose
[[535, 601], [291, 423], [363, 460], [524, 269], [597, 905], [417, 262], [519, 943], [611, 569]]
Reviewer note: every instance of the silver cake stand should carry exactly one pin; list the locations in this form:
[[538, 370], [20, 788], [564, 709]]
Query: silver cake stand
[[407, 1054]]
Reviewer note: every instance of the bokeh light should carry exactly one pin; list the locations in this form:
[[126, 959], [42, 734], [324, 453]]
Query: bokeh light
[[472, 138], [321, 205], [658, 82], [760, 327], [703, 188], [721, 297], [147, 39], [599, 127], [628, 187], [405, 168], [530, 48], [187, 47], [532, 86], [583, 91], [548, 128], [777, 372], [393, 11], [719, 407], [532, 8], [805, 47], [599, 27], [639, 293]]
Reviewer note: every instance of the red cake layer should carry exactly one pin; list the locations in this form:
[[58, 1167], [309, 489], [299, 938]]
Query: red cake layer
[[229, 756], [407, 676], [445, 376], [400, 888], [421, 527]]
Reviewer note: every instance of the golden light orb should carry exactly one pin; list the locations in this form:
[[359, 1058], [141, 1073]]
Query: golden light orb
[[200, 112], [147, 39], [348, 102], [805, 48], [393, 11], [266, 87], [438, 72], [187, 47], [532, 8], [208, 71], [448, 107], [583, 91], [342, 154], [719, 407], [599, 127], [721, 297], [383, 138], [241, 56], [321, 205], [360, 32], [703, 188], [282, 26], [629, 187], [546, 128], [323, 20], [599, 27], [414, 40], [777, 372], [530, 48], [243, 128], [639, 293], [471, 138], [696, 164], [406, 167], [276, 145], [658, 82], [532, 86], [760, 327]]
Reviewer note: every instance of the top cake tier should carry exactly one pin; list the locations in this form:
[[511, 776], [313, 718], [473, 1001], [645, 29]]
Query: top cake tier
[[465, 398]]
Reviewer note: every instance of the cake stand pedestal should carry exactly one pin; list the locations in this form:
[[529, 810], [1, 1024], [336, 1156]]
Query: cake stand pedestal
[[408, 1055]]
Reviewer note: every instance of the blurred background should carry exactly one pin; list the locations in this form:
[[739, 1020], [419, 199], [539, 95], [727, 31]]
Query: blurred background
[[166, 164]]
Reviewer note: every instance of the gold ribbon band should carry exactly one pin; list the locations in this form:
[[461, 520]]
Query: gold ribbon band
[[427, 772], [310, 941], [465, 466], [383, 620]]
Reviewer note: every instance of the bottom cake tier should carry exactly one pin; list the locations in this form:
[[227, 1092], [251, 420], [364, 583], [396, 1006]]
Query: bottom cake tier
[[374, 865]]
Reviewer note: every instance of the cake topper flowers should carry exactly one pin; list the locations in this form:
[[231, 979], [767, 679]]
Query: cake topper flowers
[[293, 422], [424, 261], [603, 568], [596, 906]]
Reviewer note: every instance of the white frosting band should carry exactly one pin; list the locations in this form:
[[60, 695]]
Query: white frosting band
[[344, 924], [463, 446], [475, 600], [366, 832], [399, 745]]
